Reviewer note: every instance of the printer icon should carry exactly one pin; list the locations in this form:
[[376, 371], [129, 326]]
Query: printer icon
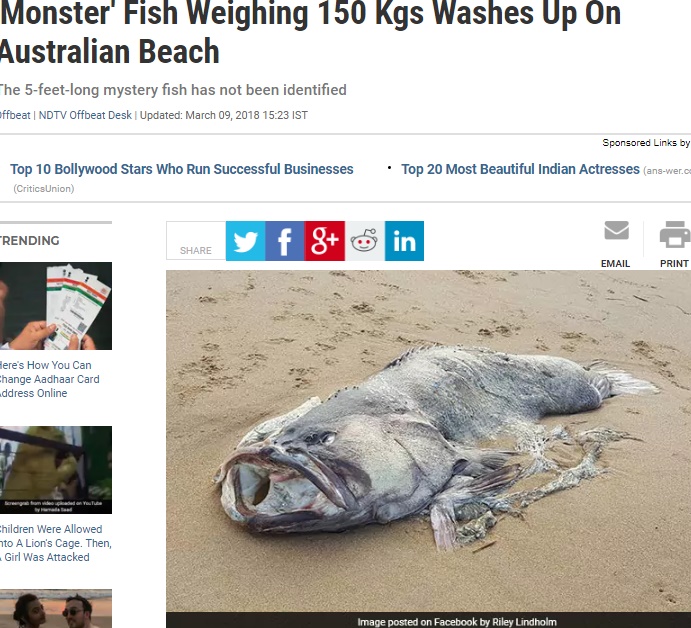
[[675, 235]]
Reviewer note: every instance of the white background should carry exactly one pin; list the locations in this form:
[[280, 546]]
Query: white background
[[467, 80]]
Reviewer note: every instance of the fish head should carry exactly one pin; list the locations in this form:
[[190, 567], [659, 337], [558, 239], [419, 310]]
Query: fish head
[[332, 475]]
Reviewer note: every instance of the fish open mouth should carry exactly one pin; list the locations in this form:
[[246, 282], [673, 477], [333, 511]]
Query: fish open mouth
[[271, 489]]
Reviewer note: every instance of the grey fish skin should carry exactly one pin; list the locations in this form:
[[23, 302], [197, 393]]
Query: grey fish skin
[[467, 394], [384, 449]]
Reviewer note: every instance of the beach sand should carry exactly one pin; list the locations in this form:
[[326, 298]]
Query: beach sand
[[246, 346]]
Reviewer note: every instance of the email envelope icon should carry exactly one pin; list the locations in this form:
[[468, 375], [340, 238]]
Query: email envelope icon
[[616, 230]]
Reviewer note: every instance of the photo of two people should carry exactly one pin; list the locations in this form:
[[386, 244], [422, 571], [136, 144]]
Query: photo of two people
[[51, 608]]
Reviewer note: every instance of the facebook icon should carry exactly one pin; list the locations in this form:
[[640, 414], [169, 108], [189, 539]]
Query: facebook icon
[[285, 241]]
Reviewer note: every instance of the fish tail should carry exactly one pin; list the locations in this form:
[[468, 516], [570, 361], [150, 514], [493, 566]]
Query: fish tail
[[619, 382]]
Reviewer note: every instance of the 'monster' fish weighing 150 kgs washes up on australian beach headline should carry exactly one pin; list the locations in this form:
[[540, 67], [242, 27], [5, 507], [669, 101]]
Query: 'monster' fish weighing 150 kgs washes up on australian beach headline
[[405, 441]]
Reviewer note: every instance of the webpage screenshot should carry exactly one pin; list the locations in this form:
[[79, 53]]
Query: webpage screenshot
[[384, 308]]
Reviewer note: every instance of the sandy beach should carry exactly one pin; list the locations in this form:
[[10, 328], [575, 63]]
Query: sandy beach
[[246, 346]]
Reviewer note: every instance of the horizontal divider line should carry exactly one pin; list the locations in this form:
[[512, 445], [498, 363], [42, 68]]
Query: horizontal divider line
[[56, 222], [422, 202], [388, 134]]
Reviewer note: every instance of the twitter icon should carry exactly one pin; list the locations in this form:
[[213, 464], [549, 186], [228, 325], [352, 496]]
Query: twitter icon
[[245, 241]]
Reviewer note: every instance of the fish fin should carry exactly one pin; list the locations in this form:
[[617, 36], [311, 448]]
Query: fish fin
[[443, 525], [410, 352], [468, 499], [463, 491], [619, 382], [494, 458], [494, 481], [477, 462]]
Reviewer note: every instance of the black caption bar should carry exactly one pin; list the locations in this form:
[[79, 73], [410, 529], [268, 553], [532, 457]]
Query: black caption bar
[[56, 507], [429, 620]]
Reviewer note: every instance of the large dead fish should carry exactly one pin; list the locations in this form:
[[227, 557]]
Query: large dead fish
[[405, 441]]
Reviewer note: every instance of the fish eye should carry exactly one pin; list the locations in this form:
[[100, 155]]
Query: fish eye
[[325, 438]]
